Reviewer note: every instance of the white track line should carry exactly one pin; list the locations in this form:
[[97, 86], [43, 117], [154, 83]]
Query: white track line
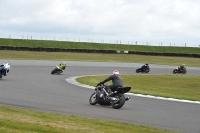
[[72, 80]]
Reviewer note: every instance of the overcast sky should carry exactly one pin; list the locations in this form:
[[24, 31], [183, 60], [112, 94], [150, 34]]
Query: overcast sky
[[154, 21]]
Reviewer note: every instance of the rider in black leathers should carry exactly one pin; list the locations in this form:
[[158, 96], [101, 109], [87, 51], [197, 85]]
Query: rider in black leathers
[[144, 67], [116, 80], [181, 68]]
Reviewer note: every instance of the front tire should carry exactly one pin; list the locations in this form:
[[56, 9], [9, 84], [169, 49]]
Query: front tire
[[147, 70], [184, 72], [120, 103], [93, 99], [137, 71], [175, 71]]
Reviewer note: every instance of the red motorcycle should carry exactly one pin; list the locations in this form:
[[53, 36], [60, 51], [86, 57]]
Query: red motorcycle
[[177, 70]]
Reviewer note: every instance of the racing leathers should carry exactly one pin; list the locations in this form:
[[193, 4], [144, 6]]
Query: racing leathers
[[144, 67], [62, 66], [116, 80], [181, 68], [4, 69]]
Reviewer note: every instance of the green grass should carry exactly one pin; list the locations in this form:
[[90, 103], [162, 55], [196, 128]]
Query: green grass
[[27, 121], [28, 55], [84, 45], [170, 86]]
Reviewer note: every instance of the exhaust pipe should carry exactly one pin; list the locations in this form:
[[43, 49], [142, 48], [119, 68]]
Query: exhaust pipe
[[113, 98]]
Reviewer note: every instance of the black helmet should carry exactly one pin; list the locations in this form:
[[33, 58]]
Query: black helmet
[[147, 64]]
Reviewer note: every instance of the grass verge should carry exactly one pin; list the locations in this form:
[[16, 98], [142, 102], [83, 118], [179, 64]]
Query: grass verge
[[28, 55], [170, 86], [23, 121], [99, 46]]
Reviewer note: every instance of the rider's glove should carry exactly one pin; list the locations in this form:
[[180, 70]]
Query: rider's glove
[[99, 83]]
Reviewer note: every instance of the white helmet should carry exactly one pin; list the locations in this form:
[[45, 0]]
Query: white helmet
[[115, 72]]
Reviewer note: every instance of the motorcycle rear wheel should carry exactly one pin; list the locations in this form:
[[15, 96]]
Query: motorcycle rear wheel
[[54, 71], [120, 103], [93, 99]]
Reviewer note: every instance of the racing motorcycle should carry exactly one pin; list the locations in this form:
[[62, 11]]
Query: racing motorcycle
[[177, 70], [146, 70], [102, 97], [4, 69], [56, 70]]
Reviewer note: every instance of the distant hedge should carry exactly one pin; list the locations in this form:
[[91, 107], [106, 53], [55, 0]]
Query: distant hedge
[[96, 51]]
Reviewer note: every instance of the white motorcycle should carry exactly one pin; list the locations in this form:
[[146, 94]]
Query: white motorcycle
[[4, 69]]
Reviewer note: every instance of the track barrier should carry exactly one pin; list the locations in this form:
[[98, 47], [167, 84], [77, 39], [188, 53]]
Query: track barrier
[[41, 49]]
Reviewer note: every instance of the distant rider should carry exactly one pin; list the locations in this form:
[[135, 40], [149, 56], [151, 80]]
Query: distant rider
[[181, 68], [116, 80], [144, 67], [5, 71], [62, 66]]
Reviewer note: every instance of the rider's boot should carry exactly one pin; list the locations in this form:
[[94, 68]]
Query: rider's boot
[[127, 98]]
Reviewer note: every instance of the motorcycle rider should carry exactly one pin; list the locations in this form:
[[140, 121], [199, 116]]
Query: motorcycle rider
[[144, 67], [5, 71], [116, 80], [181, 67], [62, 66]]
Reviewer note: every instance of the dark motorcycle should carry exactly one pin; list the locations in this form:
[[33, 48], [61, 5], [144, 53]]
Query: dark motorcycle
[[145, 70], [4, 69], [177, 70], [56, 70], [115, 99]]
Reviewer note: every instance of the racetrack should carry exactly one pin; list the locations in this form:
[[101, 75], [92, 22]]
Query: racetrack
[[30, 85]]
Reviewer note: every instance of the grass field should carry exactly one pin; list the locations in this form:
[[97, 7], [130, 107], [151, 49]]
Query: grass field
[[170, 86], [182, 87], [27, 121], [83, 45], [27, 55]]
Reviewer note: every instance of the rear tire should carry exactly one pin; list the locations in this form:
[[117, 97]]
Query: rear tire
[[54, 71], [93, 99], [0, 75], [120, 103]]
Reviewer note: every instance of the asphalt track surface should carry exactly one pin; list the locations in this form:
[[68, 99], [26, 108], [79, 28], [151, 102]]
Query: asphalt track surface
[[30, 85]]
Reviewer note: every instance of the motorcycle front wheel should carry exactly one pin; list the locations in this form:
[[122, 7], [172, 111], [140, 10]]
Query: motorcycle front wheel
[[118, 104], [137, 71], [93, 99], [147, 70], [175, 71]]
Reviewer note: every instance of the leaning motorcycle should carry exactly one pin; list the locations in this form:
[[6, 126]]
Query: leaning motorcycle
[[176, 70], [146, 70], [4, 69], [56, 70], [115, 99]]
